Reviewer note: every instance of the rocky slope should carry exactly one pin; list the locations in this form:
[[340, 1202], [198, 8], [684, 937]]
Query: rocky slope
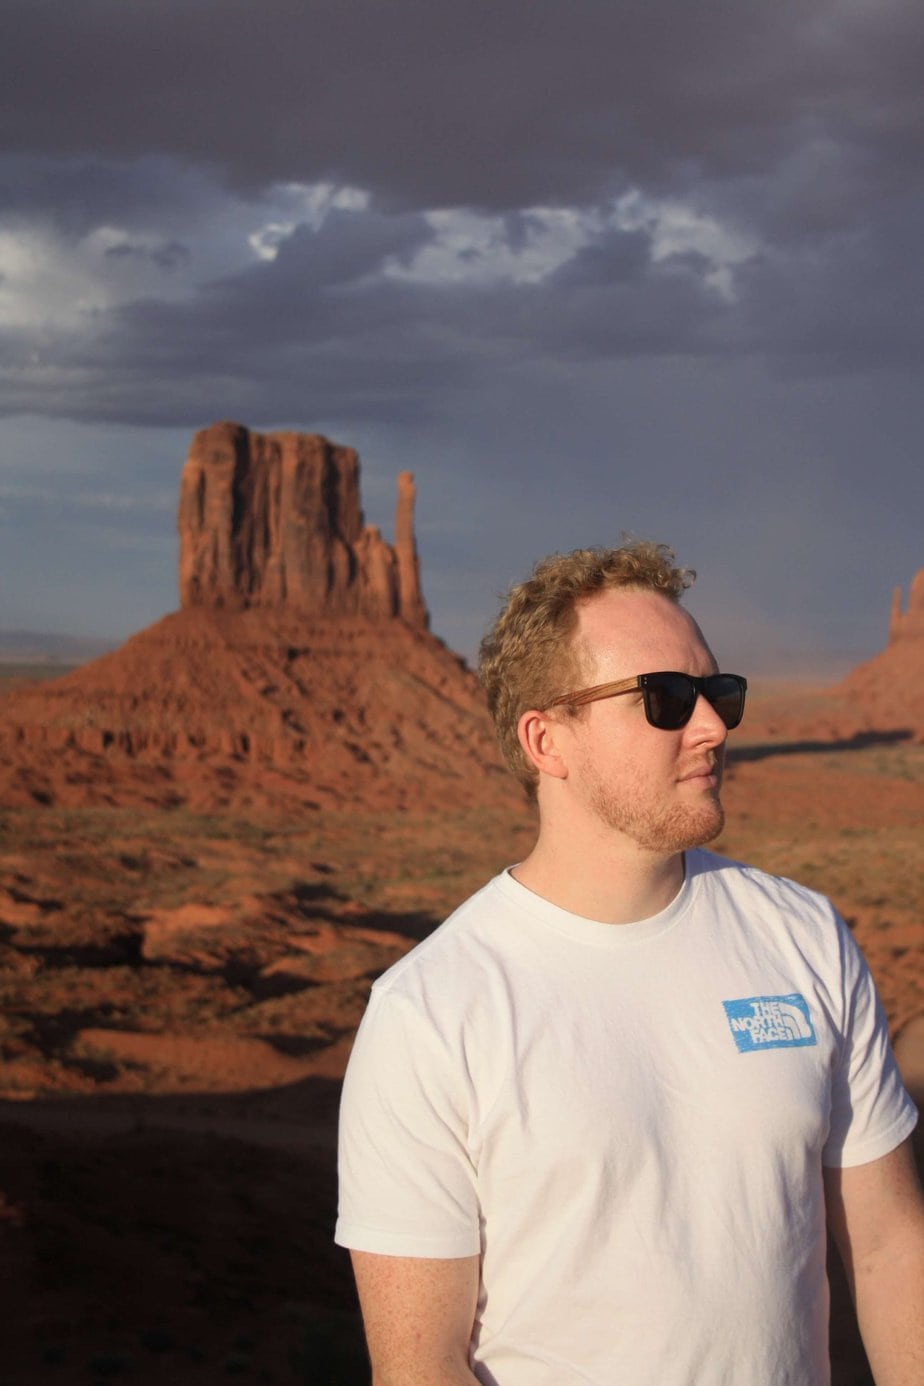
[[256, 708]]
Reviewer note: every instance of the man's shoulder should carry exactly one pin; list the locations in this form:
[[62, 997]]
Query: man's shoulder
[[741, 881], [456, 948]]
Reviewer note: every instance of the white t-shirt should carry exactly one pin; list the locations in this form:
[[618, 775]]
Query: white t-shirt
[[628, 1123]]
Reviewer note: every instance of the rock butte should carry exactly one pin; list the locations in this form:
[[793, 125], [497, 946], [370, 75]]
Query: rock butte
[[908, 624], [299, 671], [889, 688], [275, 520]]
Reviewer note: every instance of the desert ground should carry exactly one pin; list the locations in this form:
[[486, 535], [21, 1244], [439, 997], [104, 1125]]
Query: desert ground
[[179, 993]]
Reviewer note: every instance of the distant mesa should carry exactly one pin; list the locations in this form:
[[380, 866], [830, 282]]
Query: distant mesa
[[299, 672], [889, 688], [908, 623], [274, 520]]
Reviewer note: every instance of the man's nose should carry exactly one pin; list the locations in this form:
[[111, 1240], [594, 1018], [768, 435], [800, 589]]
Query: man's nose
[[705, 725]]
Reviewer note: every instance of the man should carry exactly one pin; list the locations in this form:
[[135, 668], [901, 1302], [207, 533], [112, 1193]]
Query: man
[[593, 1125]]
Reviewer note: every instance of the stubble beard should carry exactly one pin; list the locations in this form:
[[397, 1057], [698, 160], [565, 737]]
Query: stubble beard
[[670, 829]]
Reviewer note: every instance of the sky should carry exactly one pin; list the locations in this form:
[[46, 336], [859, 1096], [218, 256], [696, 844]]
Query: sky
[[586, 267]]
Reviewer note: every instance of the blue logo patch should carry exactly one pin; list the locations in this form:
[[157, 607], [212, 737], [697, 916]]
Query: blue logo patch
[[770, 1022]]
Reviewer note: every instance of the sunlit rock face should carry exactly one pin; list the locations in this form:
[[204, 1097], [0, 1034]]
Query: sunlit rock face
[[275, 520]]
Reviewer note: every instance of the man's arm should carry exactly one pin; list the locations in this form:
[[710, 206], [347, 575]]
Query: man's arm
[[876, 1215], [418, 1315]]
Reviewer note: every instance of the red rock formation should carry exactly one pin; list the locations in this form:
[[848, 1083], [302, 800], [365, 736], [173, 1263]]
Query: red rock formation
[[275, 520], [888, 690], [410, 601], [908, 624], [257, 709], [300, 672]]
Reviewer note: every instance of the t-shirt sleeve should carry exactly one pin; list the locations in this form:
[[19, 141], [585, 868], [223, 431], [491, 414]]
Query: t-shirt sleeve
[[407, 1181], [871, 1113]]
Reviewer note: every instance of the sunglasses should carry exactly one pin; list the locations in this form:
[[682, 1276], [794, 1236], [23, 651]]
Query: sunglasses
[[670, 697]]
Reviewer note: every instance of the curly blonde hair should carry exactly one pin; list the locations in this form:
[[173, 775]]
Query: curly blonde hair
[[528, 658]]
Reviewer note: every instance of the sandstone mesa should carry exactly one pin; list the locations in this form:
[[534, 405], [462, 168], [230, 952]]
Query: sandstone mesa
[[299, 672]]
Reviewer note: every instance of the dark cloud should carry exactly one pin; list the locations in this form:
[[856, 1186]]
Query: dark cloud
[[76, 195], [480, 103], [321, 322], [347, 248], [167, 255], [797, 128], [846, 301]]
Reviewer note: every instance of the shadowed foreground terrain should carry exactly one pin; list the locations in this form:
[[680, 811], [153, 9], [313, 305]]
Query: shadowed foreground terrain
[[179, 993]]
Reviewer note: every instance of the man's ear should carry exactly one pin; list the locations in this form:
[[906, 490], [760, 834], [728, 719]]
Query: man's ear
[[537, 735]]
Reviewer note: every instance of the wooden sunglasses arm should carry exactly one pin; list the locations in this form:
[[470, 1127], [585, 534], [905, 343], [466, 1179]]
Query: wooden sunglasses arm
[[593, 695]]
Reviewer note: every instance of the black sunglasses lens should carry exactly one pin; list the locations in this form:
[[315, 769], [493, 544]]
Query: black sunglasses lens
[[726, 695], [669, 700]]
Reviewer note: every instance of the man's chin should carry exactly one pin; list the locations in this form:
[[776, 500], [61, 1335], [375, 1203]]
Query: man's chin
[[689, 829], [711, 830], [683, 825]]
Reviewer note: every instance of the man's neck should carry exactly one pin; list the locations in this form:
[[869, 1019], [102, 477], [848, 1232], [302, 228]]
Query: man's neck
[[615, 883]]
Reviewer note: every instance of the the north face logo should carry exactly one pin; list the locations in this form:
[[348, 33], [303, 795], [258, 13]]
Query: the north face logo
[[770, 1022]]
